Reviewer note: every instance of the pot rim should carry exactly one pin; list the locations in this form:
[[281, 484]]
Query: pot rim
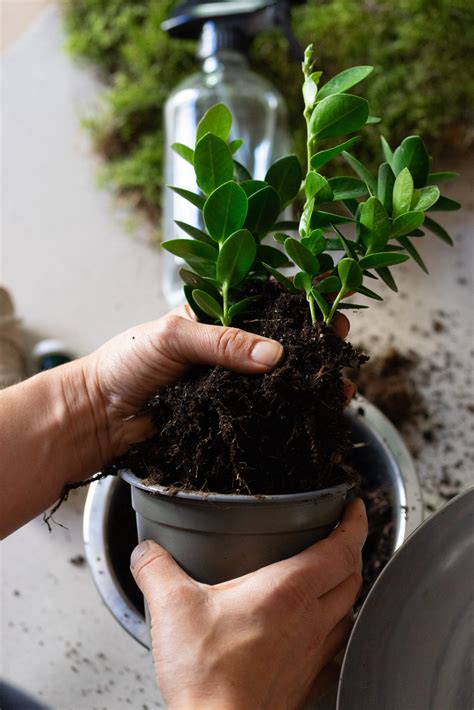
[[230, 498]]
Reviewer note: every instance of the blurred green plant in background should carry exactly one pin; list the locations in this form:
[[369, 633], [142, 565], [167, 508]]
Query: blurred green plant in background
[[423, 51]]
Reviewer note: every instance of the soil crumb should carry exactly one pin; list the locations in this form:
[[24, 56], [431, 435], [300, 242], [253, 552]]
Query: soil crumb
[[387, 381], [77, 560]]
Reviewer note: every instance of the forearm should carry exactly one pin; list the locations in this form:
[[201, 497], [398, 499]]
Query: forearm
[[49, 436]]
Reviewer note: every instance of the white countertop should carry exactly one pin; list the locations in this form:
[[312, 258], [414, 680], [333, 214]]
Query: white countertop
[[78, 274]]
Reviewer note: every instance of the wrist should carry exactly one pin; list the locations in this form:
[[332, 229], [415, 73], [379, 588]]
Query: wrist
[[85, 419]]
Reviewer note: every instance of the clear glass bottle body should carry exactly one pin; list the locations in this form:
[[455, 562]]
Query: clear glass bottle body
[[259, 118]]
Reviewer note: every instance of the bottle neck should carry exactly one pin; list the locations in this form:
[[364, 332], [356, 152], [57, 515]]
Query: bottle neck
[[221, 46]]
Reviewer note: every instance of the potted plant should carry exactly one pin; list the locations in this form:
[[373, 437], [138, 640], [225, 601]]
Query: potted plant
[[246, 470]]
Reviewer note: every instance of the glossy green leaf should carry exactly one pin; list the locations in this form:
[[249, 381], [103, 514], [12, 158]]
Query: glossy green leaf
[[406, 223], [310, 88], [347, 188], [344, 80], [384, 258], [225, 210], [372, 119], [402, 192], [374, 224], [324, 306], [385, 183], [263, 210], [406, 244], [387, 151], [438, 178], [345, 244], [425, 197], [350, 307], [303, 281], [369, 293], [216, 120], [338, 114], [301, 256], [283, 280], [361, 171], [201, 316], [438, 230], [235, 145], [324, 156], [306, 217], [351, 205], [213, 163], [241, 306], [280, 237], [196, 200], [350, 274], [326, 263], [272, 256], [412, 154], [445, 204], [285, 176], [317, 187], [315, 242], [194, 232], [200, 257], [236, 256], [321, 219], [184, 152], [241, 174], [251, 186], [208, 304], [386, 276], [196, 281], [330, 284]]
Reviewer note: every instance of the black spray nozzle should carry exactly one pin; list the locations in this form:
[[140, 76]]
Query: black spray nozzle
[[238, 21]]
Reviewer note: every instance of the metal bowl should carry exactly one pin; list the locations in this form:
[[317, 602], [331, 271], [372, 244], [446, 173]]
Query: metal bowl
[[110, 530]]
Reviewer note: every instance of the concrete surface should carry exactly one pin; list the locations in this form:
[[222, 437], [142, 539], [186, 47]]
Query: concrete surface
[[78, 275]]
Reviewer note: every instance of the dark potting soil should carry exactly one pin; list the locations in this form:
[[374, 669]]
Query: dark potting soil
[[282, 432]]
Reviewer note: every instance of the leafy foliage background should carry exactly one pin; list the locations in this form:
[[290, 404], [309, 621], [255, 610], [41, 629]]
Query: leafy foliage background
[[423, 51]]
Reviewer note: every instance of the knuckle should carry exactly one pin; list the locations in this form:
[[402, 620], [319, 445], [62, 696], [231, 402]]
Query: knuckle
[[150, 565], [351, 557], [231, 342], [169, 325]]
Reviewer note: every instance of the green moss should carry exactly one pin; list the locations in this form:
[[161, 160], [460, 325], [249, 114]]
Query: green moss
[[422, 50]]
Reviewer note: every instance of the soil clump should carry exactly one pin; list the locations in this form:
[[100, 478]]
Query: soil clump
[[282, 432]]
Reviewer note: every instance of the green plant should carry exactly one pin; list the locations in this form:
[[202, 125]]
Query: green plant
[[237, 212], [423, 83], [386, 210]]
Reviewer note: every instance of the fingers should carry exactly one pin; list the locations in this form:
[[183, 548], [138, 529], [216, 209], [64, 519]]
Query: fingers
[[329, 562], [154, 570], [341, 325], [349, 389], [189, 342], [338, 602]]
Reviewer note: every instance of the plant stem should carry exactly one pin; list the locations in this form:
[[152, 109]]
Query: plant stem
[[335, 304], [225, 304], [312, 309]]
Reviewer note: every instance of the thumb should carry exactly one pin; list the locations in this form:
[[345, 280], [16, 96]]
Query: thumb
[[188, 342], [155, 571]]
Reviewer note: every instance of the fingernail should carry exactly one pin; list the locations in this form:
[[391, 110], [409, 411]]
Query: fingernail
[[267, 352], [138, 553]]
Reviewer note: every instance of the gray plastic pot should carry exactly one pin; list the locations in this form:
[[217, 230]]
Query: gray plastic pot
[[216, 537]]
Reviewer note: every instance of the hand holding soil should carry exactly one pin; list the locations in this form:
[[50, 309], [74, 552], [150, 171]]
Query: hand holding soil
[[256, 641]]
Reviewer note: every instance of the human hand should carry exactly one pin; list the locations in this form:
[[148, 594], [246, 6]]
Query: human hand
[[258, 641], [121, 375]]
